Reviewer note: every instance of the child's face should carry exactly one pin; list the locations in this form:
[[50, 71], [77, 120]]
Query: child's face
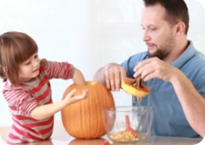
[[29, 69]]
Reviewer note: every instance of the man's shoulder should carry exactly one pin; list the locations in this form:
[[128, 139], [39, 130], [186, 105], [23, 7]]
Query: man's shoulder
[[140, 56], [194, 67], [198, 60]]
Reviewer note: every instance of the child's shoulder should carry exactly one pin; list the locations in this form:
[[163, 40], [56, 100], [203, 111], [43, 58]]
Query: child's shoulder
[[43, 62]]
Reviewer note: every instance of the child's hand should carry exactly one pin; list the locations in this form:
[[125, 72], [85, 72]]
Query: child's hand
[[70, 98]]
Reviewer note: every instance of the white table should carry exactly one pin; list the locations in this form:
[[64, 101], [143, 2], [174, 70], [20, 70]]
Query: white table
[[61, 137]]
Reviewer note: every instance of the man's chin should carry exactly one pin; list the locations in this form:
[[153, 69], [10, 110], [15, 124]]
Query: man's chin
[[151, 54]]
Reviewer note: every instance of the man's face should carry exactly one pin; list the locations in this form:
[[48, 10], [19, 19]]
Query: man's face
[[158, 33]]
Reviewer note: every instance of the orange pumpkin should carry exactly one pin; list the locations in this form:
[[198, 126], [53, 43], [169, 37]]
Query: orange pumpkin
[[83, 119]]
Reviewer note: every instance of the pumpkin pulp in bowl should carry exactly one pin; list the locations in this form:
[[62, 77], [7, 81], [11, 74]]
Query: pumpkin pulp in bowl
[[128, 124]]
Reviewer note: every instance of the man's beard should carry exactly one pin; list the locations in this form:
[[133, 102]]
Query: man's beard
[[164, 50]]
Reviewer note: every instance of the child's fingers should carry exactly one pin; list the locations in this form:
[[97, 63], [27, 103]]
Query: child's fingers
[[73, 91], [85, 93], [71, 94]]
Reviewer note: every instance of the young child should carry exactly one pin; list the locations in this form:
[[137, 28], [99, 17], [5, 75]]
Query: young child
[[27, 88]]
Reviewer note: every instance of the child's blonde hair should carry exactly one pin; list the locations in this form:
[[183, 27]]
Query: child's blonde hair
[[15, 48]]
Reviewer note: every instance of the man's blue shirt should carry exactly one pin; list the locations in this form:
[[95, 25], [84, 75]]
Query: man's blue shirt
[[169, 118]]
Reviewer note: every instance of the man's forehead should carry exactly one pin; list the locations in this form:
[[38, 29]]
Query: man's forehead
[[155, 9], [153, 14]]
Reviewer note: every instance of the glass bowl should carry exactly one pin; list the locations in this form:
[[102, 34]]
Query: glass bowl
[[116, 121]]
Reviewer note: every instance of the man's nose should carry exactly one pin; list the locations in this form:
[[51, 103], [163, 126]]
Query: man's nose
[[146, 36]]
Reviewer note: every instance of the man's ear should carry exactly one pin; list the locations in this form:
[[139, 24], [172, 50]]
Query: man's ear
[[180, 29]]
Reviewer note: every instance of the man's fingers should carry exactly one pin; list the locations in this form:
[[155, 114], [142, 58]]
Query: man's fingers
[[107, 79], [114, 76]]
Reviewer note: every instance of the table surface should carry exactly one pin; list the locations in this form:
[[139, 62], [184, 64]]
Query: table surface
[[61, 137]]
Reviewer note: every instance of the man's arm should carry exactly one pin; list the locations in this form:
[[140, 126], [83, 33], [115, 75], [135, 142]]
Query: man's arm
[[192, 102], [100, 75]]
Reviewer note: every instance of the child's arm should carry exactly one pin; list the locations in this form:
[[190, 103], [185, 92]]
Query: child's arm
[[45, 111], [78, 77]]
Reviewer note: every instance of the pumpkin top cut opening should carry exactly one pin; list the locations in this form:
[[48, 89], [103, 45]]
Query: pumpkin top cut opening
[[129, 87], [91, 83]]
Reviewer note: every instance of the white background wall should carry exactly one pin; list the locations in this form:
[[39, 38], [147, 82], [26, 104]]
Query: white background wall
[[87, 33]]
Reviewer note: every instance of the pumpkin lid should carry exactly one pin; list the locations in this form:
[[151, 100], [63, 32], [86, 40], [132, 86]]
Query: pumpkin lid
[[129, 87]]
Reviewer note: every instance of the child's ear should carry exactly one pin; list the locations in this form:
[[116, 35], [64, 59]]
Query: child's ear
[[5, 70]]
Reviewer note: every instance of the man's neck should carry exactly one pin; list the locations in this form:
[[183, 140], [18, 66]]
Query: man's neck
[[180, 47]]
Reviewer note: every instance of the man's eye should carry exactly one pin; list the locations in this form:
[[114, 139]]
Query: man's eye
[[153, 29]]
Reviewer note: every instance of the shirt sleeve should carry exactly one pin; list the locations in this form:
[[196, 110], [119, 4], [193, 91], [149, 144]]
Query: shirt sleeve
[[55, 69], [20, 102]]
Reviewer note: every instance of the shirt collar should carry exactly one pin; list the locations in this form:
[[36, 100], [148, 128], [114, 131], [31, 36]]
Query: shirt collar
[[185, 56]]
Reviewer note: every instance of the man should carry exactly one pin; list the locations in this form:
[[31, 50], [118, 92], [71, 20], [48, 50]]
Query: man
[[172, 68]]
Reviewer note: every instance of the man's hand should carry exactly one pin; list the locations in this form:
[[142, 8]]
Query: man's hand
[[113, 74], [156, 68]]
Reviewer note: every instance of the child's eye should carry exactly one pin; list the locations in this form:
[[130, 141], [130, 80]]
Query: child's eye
[[27, 63], [36, 56]]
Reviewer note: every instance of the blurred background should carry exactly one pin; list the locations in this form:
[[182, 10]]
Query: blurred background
[[86, 33]]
